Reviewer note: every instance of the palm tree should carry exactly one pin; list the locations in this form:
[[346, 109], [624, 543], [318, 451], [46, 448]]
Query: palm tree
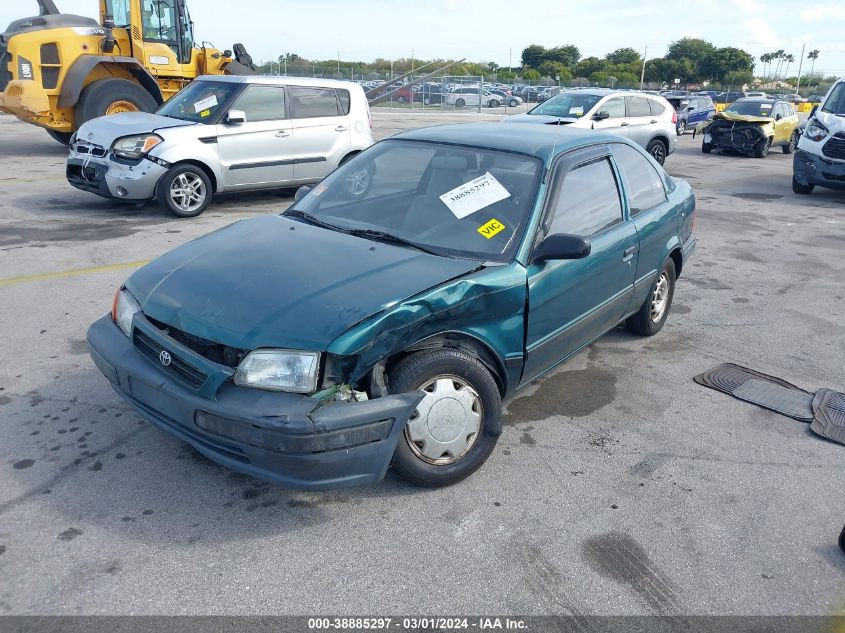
[[813, 55], [788, 59]]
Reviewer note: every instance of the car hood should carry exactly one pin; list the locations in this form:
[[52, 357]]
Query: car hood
[[745, 118], [104, 130], [539, 118], [833, 122], [276, 282]]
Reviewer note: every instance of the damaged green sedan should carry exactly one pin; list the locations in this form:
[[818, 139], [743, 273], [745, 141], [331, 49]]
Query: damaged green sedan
[[385, 317]]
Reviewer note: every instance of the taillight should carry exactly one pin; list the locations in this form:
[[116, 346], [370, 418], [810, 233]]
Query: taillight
[[114, 305], [674, 117]]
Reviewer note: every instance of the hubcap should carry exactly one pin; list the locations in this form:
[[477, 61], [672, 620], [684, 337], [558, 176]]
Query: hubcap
[[187, 192], [658, 153], [446, 423], [660, 297], [682, 127], [358, 182], [121, 106]]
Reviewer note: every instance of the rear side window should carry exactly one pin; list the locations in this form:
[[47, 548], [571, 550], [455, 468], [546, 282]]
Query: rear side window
[[308, 103], [588, 201], [656, 108], [343, 99], [643, 184], [638, 106], [262, 103]]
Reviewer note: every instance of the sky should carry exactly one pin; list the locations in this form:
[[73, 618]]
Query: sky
[[497, 31]]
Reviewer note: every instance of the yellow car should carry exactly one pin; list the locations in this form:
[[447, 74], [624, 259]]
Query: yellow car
[[752, 126]]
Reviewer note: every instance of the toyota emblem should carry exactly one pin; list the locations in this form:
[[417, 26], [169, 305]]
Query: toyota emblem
[[164, 357]]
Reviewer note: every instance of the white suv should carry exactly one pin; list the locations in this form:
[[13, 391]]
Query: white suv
[[222, 134], [469, 96]]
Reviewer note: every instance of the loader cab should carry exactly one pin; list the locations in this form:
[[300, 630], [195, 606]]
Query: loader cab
[[155, 22]]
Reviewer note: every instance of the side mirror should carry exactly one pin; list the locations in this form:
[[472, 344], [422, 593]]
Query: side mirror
[[236, 116], [690, 108], [560, 246], [778, 117], [300, 193], [601, 115]]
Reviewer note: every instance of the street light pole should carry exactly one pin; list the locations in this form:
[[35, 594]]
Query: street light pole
[[286, 64], [642, 76]]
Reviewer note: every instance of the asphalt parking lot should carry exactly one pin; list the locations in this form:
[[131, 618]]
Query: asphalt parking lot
[[618, 487]]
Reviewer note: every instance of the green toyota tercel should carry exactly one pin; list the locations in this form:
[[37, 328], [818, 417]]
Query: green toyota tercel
[[385, 317]]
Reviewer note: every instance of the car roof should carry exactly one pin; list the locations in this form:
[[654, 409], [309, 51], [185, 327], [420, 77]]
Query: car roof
[[756, 100], [537, 140], [277, 80]]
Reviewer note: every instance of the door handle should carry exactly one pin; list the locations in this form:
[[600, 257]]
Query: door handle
[[282, 134], [624, 124], [340, 128], [628, 255], [653, 121]]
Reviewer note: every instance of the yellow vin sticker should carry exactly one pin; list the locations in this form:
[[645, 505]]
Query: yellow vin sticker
[[491, 228]]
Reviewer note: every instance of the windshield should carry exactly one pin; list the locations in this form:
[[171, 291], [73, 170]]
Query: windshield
[[200, 101], [751, 108], [119, 10], [835, 103], [567, 104], [453, 201]]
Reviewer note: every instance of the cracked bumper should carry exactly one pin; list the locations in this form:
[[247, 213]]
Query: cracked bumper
[[284, 438], [810, 169], [114, 180]]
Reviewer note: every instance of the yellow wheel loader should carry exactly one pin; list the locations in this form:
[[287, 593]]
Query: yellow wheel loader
[[58, 71]]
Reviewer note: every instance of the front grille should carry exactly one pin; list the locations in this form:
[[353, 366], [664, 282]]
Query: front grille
[[78, 172], [94, 150], [49, 78], [179, 368], [835, 177], [835, 147], [213, 351], [50, 54]]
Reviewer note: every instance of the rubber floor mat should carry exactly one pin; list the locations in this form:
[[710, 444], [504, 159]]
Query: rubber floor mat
[[829, 407], [761, 389]]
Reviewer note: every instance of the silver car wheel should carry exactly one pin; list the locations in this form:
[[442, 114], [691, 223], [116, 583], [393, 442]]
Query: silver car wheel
[[187, 192], [358, 182], [660, 297], [446, 423]]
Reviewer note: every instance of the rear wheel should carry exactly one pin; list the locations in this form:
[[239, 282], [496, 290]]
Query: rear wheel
[[494, 103], [793, 143], [455, 427], [797, 187], [762, 149], [681, 127], [111, 96], [658, 150], [401, 99], [460, 103], [185, 190], [61, 137], [513, 103]]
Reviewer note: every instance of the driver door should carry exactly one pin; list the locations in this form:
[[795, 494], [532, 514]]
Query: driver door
[[615, 123], [571, 302]]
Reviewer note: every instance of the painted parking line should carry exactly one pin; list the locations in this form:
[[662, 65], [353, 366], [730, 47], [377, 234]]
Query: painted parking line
[[23, 279]]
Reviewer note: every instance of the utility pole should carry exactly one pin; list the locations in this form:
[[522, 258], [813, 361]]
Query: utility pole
[[286, 64], [510, 61], [642, 76], [338, 64], [800, 65]]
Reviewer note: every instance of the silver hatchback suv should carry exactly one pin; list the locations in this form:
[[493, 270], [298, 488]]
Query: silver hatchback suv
[[646, 119], [224, 134]]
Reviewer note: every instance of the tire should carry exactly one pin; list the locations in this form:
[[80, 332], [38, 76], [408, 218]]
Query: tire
[[793, 143], [179, 178], [104, 96], [648, 321], [797, 187], [681, 127], [460, 103], [762, 149], [61, 137], [494, 103], [401, 99], [513, 103], [457, 375], [706, 148], [842, 540], [658, 150]]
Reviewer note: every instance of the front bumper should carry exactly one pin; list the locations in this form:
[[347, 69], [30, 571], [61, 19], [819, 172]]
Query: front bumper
[[285, 438], [112, 179], [811, 169]]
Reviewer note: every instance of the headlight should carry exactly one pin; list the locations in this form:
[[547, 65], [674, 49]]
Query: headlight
[[816, 131], [279, 370], [135, 146], [123, 310]]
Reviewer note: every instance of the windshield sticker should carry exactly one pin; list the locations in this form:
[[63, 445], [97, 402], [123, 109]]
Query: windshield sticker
[[765, 106], [319, 189], [577, 110], [491, 228], [474, 196], [205, 113], [205, 104]]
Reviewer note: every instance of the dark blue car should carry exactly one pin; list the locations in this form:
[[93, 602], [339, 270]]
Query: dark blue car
[[691, 111]]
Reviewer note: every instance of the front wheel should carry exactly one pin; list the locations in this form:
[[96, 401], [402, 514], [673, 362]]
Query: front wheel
[[455, 427], [651, 316], [111, 96], [185, 190], [681, 128], [494, 103], [706, 148], [658, 150], [401, 99], [513, 103], [460, 103], [797, 187], [762, 149]]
